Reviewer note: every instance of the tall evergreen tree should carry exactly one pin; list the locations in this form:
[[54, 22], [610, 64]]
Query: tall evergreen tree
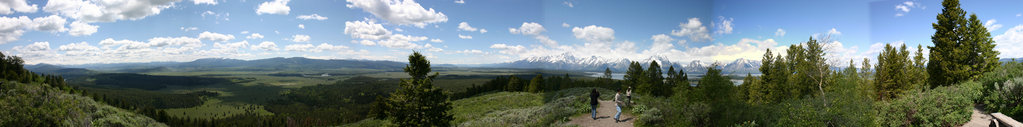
[[655, 81], [634, 75], [417, 102], [671, 75], [892, 72], [963, 49], [535, 84], [514, 84]]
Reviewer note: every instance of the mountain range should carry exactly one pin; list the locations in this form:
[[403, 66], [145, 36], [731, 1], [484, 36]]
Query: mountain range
[[567, 61]]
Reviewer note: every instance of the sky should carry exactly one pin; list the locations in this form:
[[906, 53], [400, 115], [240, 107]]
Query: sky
[[473, 31]]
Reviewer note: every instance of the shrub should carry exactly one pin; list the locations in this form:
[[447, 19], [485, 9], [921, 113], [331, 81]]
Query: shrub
[[1006, 98], [941, 106]]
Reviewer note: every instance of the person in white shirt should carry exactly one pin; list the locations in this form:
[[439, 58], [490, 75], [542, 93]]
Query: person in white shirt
[[618, 106], [628, 96]]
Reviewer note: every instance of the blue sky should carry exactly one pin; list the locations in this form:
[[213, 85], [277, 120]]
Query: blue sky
[[471, 31]]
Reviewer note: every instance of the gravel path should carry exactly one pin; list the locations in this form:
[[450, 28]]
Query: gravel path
[[605, 117]]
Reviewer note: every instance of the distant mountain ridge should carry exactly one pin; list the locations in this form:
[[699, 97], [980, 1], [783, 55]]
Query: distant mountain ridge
[[567, 61], [277, 63]]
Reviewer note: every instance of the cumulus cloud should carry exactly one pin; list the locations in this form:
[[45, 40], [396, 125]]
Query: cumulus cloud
[[509, 49], [569, 4], [206, 35], [401, 12], [106, 11], [566, 25], [52, 23], [13, 27], [779, 33], [254, 36], [278, 7], [834, 31], [228, 48], [314, 48], [210, 2], [594, 34], [80, 28], [903, 8], [370, 33], [312, 17], [10, 6], [464, 36], [1010, 43], [300, 38], [464, 26], [535, 30], [467, 51], [460, 1], [991, 26], [436, 40], [724, 26], [301, 26], [79, 49], [694, 29], [266, 46]]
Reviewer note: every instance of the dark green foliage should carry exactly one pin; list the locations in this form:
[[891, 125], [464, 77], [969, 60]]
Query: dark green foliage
[[635, 75], [654, 84], [536, 84], [963, 48], [134, 98], [417, 102], [894, 71], [514, 84], [152, 82], [941, 106], [1003, 90]]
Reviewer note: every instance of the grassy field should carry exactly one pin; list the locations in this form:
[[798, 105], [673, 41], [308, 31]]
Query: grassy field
[[476, 107], [215, 109]]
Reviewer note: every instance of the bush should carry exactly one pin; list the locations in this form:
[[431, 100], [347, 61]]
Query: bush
[[1006, 98], [941, 106]]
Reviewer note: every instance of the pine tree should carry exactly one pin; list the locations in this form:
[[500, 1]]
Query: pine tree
[[893, 72], [514, 84], [634, 75], [417, 102], [963, 49], [671, 75], [655, 81], [535, 84]]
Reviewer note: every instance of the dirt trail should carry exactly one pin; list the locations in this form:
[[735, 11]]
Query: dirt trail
[[978, 119], [605, 117]]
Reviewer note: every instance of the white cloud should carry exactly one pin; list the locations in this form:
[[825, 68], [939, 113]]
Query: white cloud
[[366, 30], [80, 28], [429, 47], [254, 36], [509, 49], [106, 11], [37, 49], [535, 30], [186, 29], [779, 33], [436, 40], [312, 17], [903, 8], [317, 48], [206, 35], [79, 49], [991, 26], [594, 34], [210, 2], [370, 33], [465, 27], [1019, 14], [467, 51], [52, 23], [279, 7], [569, 4], [401, 12], [300, 38], [228, 48], [12, 28], [10, 6], [460, 1], [266, 46], [694, 29], [725, 26], [528, 28], [566, 25], [834, 31], [1010, 43], [301, 26], [464, 36]]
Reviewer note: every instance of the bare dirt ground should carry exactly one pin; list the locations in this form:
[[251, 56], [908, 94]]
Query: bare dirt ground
[[605, 117]]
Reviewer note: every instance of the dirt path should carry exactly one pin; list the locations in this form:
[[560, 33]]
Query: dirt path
[[605, 117], [978, 119]]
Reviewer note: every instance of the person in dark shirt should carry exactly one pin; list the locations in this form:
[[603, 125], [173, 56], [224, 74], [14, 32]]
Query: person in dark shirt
[[593, 103]]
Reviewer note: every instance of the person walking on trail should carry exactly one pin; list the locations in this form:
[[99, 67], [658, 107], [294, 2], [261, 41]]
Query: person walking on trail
[[593, 103], [628, 97], [618, 106]]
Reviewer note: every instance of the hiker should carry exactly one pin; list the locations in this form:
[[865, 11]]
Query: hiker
[[593, 103], [618, 105], [628, 97]]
